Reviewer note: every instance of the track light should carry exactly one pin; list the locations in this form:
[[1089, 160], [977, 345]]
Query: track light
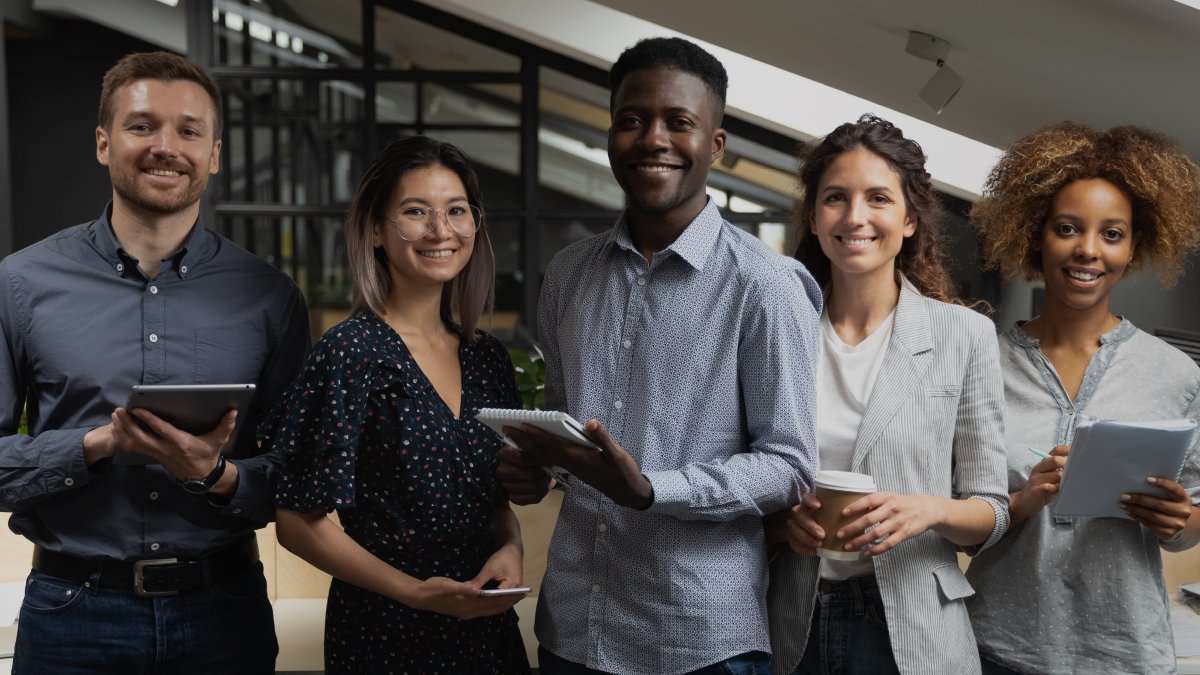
[[945, 83]]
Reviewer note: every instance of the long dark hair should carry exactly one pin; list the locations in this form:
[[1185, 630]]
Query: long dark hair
[[921, 259], [470, 292]]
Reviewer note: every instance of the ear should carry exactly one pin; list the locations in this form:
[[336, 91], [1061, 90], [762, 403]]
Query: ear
[[718, 144], [101, 146], [214, 162], [377, 236], [910, 226]]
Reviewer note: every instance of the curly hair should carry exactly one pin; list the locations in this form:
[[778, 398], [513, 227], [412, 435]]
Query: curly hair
[[674, 54], [922, 258], [1162, 183]]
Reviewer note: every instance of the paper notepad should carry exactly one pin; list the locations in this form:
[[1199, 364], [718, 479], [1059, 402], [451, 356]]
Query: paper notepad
[[1108, 459], [551, 421]]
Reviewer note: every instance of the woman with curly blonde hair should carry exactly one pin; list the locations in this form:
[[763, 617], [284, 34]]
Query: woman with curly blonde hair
[[909, 392], [1080, 208]]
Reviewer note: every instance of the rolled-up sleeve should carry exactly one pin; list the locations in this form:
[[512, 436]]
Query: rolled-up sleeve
[[980, 459]]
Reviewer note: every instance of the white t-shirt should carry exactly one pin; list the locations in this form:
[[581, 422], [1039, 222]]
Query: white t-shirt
[[845, 377]]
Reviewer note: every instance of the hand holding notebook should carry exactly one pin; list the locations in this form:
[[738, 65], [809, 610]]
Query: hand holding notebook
[[1108, 459], [551, 421]]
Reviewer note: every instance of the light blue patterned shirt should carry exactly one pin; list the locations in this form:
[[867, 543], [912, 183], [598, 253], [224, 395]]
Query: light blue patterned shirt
[[702, 365], [1063, 595]]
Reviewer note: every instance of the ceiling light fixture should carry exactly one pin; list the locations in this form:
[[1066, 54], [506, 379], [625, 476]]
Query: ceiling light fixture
[[945, 83]]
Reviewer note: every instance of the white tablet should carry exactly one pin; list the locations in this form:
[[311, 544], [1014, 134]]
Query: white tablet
[[194, 408]]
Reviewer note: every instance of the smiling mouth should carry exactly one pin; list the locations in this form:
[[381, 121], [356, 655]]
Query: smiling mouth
[[856, 241], [444, 253], [654, 168], [1080, 275], [163, 172]]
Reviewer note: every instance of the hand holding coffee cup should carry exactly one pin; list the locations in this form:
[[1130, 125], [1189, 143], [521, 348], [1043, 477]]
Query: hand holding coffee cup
[[835, 490]]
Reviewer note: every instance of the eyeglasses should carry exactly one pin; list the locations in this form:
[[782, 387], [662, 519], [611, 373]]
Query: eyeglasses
[[415, 222]]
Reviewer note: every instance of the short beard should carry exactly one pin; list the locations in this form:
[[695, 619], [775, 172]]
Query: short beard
[[129, 192]]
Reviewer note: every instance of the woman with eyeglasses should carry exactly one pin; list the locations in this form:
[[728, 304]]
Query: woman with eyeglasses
[[380, 428]]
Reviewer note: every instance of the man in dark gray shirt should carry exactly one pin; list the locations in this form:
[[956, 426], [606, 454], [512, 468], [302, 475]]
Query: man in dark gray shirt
[[133, 572]]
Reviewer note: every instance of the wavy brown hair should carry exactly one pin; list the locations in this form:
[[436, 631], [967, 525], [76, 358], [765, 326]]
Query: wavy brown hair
[[471, 292], [1162, 183], [921, 259]]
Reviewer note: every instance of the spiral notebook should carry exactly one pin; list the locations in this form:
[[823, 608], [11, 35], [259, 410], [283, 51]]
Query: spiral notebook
[[1108, 459], [551, 421]]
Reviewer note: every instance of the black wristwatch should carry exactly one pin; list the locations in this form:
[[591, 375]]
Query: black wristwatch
[[203, 485]]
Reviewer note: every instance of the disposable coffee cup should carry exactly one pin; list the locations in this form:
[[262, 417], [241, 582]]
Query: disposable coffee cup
[[836, 490]]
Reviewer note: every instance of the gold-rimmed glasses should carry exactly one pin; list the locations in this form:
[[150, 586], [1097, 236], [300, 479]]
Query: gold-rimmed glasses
[[414, 222]]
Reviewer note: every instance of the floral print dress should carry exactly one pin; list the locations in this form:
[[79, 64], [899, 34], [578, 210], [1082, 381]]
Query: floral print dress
[[362, 431]]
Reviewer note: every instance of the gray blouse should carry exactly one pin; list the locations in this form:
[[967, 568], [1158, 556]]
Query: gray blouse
[[1078, 595]]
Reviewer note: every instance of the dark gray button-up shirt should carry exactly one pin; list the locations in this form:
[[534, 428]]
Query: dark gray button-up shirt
[[81, 325]]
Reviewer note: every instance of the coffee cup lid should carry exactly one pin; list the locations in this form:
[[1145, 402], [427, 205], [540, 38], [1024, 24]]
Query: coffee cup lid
[[845, 480]]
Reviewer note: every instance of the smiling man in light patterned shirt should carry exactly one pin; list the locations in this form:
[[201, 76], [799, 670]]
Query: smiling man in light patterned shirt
[[691, 349]]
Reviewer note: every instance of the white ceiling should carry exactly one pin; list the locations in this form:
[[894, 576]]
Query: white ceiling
[[1026, 63]]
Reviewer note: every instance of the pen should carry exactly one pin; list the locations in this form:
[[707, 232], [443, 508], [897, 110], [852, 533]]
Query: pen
[[1039, 453]]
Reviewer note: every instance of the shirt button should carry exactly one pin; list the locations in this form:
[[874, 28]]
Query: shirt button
[[153, 337], [237, 510], [154, 290], [628, 344], [153, 496], [595, 588], [602, 527], [641, 281], [183, 270], [154, 547], [120, 267], [68, 481], [618, 405]]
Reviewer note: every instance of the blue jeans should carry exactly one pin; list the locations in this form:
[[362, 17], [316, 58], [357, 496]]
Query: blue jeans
[[848, 634], [67, 628], [750, 663]]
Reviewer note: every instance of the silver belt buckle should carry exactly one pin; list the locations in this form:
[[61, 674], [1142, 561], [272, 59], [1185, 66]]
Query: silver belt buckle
[[139, 567]]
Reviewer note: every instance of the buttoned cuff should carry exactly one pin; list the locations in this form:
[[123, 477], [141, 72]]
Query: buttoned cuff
[[672, 492]]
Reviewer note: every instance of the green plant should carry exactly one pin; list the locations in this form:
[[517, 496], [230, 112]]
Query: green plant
[[531, 376], [23, 427]]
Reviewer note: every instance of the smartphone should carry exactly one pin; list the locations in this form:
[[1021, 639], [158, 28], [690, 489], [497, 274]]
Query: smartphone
[[491, 589]]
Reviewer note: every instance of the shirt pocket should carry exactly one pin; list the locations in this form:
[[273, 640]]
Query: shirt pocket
[[229, 354], [937, 390], [952, 582]]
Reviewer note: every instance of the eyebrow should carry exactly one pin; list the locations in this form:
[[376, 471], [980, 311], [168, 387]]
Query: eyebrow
[[880, 188], [422, 200], [147, 115], [1072, 216], [675, 110]]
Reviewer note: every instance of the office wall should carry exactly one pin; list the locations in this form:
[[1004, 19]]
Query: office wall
[[1143, 301], [53, 94]]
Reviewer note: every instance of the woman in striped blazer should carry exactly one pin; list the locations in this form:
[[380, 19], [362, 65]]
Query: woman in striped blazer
[[909, 391]]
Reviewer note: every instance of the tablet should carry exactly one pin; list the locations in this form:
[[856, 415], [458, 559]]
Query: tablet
[[194, 408]]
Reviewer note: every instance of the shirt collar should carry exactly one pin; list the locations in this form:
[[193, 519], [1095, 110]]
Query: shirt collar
[[182, 260], [1120, 332], [694, 244]]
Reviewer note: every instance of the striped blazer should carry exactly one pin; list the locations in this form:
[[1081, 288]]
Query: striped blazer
[[933, 426]]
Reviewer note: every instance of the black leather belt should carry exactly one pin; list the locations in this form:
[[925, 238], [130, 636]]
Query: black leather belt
[[158, 577]]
